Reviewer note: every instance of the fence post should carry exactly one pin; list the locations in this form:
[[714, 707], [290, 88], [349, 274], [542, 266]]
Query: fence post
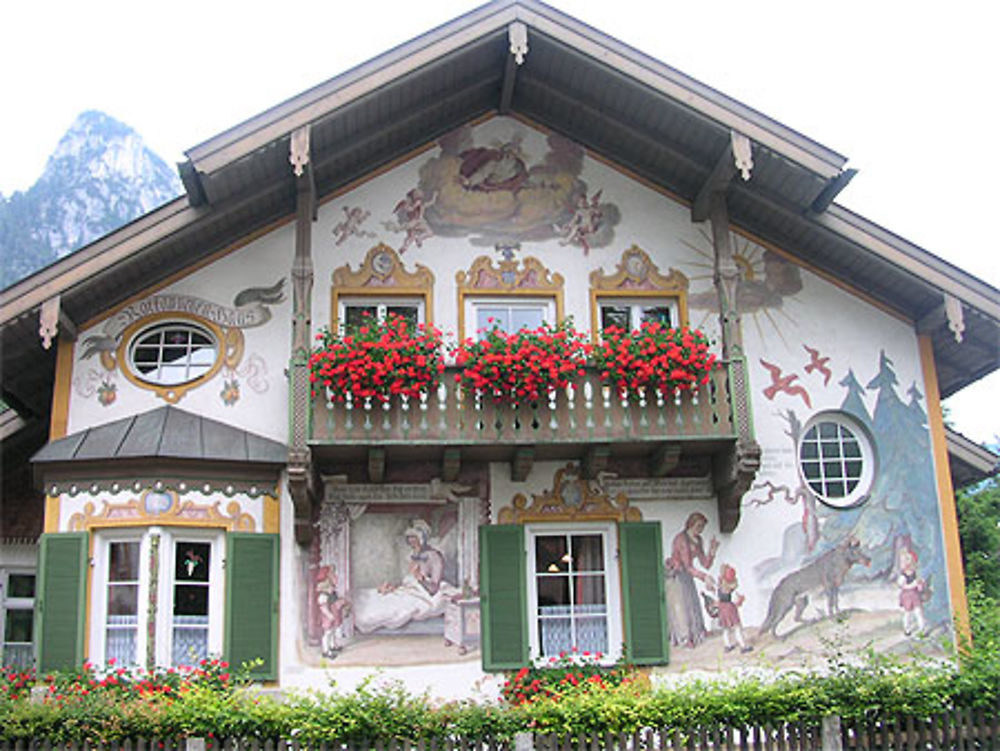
[[832, 740], [194, 744], [524, 742]]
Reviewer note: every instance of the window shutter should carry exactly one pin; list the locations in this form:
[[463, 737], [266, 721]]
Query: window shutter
[[62, 576], [252, 602], [503, 598], [642, 593]]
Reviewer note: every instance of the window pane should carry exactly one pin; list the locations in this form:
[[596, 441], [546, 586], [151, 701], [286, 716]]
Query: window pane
[[21, 585], [123, 599], [124, 561], [356, 316], [490, 318], [555, 635], [192, 566], [589, 591], [191, 561], [615, 315], [550, 554], [657, 313], [407, 312], [18, 625], [588, 553], [553, 591], [592, 634], [526, 318]]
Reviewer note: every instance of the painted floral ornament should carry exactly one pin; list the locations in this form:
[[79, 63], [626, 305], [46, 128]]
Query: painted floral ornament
[[230, 392], [107, 392]]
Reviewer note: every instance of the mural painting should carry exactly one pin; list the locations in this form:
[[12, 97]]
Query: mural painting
[[389, 582], [502, 193], [251, 308]]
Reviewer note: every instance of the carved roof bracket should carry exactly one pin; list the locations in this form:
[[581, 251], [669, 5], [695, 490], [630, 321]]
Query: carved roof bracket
[[733, 473]]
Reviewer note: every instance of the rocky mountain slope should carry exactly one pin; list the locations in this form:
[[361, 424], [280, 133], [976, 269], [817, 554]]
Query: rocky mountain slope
[[100, 176]]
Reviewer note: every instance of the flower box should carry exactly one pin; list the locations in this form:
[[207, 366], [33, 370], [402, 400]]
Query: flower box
[[379, 360]]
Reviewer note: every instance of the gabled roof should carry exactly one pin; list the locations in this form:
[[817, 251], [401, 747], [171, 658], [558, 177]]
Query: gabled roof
[[969, 462], [163, 433], [621, 104]]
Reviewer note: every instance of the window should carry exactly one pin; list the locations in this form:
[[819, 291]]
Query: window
[[158, 594], [571, 591], [510, 315], [17, 606], [629, 314], [549, 587], [185, 625], [357, 311], [170, 353], [836, 459]]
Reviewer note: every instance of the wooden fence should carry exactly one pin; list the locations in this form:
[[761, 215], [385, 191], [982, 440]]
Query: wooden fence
[[957, 730]]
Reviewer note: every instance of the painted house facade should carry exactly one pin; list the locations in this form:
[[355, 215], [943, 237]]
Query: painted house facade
[[198, 493]]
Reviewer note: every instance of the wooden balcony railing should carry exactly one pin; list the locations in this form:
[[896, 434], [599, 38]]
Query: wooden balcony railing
[[583, 412]]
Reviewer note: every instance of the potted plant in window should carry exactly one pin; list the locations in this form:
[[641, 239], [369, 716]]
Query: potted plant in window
[[377, 360], [521, 367], [654, 357]]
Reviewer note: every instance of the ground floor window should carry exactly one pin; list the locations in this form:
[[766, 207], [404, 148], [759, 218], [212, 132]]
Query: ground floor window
[[160, 595], [547, 588], [570, 591], [17, 607]]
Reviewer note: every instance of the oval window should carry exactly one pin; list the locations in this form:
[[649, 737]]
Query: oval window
[[836, 460], [172, 352]]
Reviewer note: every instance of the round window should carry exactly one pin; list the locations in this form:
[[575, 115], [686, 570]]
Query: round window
[[173, 352], [836, 459]]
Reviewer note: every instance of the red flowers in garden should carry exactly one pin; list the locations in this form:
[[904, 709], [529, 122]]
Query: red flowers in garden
[[378, 360], [654, 357], [522, 367]]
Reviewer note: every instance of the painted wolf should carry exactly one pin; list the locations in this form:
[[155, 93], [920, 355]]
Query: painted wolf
[[825, 574]]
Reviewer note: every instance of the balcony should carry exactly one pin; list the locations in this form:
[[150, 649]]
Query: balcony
[[587, 412], [588, 422]]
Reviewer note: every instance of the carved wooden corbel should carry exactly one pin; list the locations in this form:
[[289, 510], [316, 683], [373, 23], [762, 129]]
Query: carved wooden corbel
[[733, 473]]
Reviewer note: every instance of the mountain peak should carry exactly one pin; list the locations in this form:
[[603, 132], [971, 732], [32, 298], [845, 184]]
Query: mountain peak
[[100, 176]]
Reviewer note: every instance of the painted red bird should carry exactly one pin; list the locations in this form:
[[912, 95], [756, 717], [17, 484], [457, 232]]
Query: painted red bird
[[818, 363], [784, 384]]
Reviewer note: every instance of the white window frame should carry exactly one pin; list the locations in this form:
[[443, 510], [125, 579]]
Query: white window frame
[[381, 305], [635, 305], [472, 305], [165, 590], [190, 326], [8, 602], [612, 582], [868, 459]]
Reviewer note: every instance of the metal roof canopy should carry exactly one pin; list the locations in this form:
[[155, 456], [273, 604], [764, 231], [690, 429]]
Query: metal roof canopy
[[622, 105]]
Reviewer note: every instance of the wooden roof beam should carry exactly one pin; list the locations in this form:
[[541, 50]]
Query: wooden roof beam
[[517, 34], [735, 157]]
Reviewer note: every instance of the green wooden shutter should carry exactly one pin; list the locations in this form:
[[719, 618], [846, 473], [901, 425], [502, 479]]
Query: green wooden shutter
[[503, 596], [59, 612], [252, 602], [646, 636]]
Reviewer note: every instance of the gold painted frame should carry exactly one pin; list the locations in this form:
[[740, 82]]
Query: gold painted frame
[[636, 276], [505, 279], [180, 513], [230, 351], [381, 275], [572, 499]]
